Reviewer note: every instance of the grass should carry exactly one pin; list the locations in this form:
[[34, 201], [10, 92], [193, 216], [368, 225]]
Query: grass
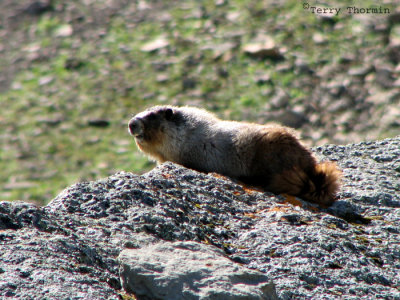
[[48, 140]]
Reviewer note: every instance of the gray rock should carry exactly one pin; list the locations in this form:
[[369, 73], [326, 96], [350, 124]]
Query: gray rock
[[265, 49], [42, 260], [190, 270], [69, 249]]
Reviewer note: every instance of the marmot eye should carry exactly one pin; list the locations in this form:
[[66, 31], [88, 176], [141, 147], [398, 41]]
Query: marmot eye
[[152, 116], [168, 113]]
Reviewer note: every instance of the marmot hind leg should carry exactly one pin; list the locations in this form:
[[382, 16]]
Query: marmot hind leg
[[318, 185], [292, 169]]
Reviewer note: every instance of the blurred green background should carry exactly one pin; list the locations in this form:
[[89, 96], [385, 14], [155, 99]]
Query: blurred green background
[[72, 73]]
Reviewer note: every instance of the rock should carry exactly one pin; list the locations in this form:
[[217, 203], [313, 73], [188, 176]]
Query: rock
[[262, 78], [155, 45], [394, 17], [51, 121], [263, 49], [394, 54], [220, 49], [40, 261], [78, 246], [395, 36], [384, 76], [37, 8], [73, 63], [19, 185], [280, 99], [189, 270], [162, 78], [397, 83], [98, 122], [188, 83], [64, 31], [360, 71], [319, 38], [291, 118], [223, 72], [45, 80]]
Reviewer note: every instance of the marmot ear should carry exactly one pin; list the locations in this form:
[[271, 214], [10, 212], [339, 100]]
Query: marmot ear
[[168, 113]]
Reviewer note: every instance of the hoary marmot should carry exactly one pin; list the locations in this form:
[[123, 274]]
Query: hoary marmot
[[266, 156]]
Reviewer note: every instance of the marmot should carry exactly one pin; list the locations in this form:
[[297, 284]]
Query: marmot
[[266, 156]]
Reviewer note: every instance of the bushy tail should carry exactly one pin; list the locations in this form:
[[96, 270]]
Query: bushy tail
[[323, 184], [319, 185]]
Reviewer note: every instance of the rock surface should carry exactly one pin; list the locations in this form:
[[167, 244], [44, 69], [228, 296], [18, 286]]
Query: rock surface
[[190, 270], [70, 248]]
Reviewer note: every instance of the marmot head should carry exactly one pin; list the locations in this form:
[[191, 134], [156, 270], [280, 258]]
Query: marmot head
[[163, 131], [145, 126], [153, 129]]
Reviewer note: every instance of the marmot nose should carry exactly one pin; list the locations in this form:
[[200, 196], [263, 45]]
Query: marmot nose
[[134, 126]]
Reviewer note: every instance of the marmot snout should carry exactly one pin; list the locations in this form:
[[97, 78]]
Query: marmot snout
[[147, 123], [136, 128], [267, 156]]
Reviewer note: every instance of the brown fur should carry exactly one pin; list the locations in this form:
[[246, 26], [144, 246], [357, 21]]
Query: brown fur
[[267, 156], [153, 144]]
